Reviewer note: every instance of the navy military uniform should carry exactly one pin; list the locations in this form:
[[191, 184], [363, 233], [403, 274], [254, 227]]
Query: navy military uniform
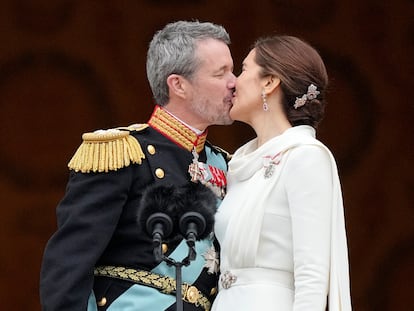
[[100, 258]]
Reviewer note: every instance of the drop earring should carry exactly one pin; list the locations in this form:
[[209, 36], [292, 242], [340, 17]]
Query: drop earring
[[265, 106]]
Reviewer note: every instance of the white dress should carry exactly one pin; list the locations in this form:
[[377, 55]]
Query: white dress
[[281, 228]]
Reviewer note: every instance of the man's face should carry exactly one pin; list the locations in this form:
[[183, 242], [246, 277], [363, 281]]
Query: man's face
[[213, 84]]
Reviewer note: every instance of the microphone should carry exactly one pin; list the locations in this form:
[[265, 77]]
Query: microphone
[[158, 214], [192, 207], [172, 211], [191, 224], [161, 226], [196, 215]]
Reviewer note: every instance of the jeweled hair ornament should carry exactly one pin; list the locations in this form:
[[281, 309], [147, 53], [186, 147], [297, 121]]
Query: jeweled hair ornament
[[311, 94]]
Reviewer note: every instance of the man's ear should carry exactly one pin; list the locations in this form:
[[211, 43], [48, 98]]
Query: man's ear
[[177, 85], [271, 84]]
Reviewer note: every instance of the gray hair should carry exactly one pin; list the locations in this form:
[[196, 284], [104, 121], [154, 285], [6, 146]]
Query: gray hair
[[172, 51]]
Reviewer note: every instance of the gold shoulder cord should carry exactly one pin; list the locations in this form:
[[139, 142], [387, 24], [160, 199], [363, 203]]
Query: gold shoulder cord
[[107, 150]]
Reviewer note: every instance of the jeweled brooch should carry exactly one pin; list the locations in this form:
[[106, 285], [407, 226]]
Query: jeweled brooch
[[269, 164]]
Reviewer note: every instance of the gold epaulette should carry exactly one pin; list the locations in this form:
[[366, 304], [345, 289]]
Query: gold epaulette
[[107, 150]]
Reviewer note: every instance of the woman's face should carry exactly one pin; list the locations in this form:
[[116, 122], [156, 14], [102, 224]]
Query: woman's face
[[249, 86]]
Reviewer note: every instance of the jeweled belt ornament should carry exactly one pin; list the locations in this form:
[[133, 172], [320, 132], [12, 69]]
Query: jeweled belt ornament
[[227, 279]]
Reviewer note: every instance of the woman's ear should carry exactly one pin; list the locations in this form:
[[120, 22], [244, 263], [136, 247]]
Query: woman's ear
[[176, 85], [271, 83]]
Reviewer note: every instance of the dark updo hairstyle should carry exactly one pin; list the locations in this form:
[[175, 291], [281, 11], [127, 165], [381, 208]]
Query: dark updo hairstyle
[[297, 65]]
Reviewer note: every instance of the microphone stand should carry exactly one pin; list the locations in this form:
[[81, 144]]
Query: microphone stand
[[178, 267]]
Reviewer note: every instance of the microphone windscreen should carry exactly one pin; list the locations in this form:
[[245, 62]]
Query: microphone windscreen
[[159, 199], [201, 199]]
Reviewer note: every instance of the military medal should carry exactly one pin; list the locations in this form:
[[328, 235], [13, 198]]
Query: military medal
[[195, 168], [269, 169], [269, 164], [212, 260], [208, 175]]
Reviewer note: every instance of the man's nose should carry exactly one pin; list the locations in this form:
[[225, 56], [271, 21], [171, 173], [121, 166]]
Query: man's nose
[[232, 81]]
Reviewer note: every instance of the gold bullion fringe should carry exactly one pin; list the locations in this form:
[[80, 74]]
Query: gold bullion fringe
[[106, 151]]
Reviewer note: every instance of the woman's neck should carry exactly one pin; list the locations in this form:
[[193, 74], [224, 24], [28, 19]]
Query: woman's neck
[[270, 126]]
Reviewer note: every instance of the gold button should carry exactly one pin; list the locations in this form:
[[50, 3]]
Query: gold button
[[164, 248], [213, 291], [159, 172], [151, 149], [101, 302], [192, 294]]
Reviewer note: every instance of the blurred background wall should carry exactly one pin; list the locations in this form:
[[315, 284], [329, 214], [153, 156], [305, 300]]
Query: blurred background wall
[[71, 66]]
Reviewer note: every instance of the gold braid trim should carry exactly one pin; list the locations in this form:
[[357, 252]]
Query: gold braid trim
[[177, 131], [106, 150], [164, 284]]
